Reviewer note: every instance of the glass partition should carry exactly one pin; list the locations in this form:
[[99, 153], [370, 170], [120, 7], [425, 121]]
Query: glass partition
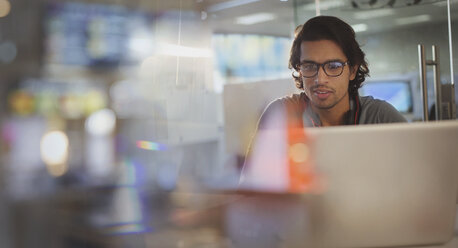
[[126, 123]]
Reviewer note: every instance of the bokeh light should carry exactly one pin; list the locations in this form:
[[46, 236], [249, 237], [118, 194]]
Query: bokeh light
[[101, 123], [5, 8], [299, 152], [54, 152], [57, 170]]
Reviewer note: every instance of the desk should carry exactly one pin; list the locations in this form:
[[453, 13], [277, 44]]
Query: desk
[[178, 220]]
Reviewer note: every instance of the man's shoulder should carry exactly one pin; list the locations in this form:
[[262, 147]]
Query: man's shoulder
[[370, 101], [293, 103], [296, 99], [378, 111], [290, 106], [373, 104]]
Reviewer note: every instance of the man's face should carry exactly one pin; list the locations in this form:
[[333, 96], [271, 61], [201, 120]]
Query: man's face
[[326, 92]]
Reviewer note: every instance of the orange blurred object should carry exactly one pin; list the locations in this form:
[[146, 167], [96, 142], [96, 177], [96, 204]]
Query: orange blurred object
[[301, 175]]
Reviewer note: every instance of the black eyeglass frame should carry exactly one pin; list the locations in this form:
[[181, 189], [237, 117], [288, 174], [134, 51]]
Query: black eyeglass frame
[[322, 66]]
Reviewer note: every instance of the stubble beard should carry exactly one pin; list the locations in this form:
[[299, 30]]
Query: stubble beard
[[326, 107]]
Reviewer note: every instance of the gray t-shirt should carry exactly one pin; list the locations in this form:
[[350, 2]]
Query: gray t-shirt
[[370, 111], [377, 111]]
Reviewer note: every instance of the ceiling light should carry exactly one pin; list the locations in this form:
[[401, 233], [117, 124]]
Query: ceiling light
[[229, 4], [369, 14], [255, 18], [183, 51], [412, 19], [324, 5], [359, 27]]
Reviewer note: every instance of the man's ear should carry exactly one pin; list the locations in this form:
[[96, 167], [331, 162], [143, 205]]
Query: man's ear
[[353, 71], [297, 73]]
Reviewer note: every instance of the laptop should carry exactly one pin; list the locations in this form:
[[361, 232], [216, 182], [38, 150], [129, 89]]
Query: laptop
[[386, 185]]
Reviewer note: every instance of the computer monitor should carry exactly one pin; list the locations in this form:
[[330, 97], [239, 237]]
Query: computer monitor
[[396, 92], [387, 185]]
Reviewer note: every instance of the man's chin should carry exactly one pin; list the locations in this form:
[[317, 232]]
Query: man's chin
[[323, 106]]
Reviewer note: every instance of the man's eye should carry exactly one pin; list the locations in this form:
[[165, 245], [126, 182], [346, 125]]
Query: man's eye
[[334, 65], [308, 67]]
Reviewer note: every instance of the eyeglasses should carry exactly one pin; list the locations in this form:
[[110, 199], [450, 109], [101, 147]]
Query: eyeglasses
[[331, 68]]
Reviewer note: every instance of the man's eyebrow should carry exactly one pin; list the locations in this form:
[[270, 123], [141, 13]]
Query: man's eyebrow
[[329, 60], [308, 61]]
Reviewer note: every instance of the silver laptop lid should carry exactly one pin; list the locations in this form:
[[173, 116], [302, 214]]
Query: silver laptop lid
[[378, 185]]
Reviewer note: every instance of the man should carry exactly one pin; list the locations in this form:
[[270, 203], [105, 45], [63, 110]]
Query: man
[[329, 66]]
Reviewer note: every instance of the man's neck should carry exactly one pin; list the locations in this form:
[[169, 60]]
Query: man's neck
[[335, 115]]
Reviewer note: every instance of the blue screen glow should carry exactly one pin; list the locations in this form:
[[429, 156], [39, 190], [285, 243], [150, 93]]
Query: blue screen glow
[[397, 93]]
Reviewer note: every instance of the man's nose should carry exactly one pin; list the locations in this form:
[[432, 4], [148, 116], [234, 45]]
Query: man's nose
[[321, 76]]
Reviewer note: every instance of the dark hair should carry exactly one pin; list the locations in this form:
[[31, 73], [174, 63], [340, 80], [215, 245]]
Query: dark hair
[[334, 29]]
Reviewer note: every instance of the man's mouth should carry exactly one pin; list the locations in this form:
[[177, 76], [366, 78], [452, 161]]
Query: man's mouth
[[322, 94]]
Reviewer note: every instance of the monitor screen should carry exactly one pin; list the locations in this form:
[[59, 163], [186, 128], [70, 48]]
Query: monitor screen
[[396, 92], [92, 34]]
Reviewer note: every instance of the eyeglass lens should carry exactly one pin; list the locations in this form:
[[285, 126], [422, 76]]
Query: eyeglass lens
[[332, 68]]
